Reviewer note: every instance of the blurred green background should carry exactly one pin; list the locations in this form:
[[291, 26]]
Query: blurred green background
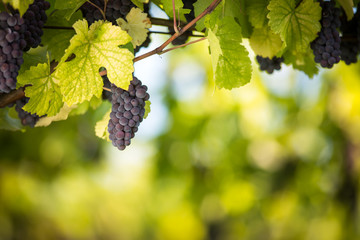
[[275, 159]]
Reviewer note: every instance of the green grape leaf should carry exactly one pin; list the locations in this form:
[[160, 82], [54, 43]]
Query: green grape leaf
[[94, 48], [257, 11], [265, 42], [233, 9], [21, 5], [140, 3], [179, 10], [62, 115], [230, 60], [347, 5], [71, 6], [303, 61], [136, 25], [33, 57], [101, 127], [82, 108], [44, 92], [297, 26], [199, 7], [147, 109], [58, 40]]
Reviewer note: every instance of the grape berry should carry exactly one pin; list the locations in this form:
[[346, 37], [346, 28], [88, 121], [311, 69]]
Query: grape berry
[[269, 65], [35, 18], [128, 109], [11, 44], [27, 119], [114, 9], [326, 46]]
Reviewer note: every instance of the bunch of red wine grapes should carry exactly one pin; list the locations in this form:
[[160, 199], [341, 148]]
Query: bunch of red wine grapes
[[17, 35], [128, 109], [326, 46], [330, 46], [128, 106]]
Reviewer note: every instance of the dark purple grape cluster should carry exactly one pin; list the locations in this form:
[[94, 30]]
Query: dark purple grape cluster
[[16, 36], [128, 109], [27, 119], [114, 9], [12, 43], [349, 46], [35, 18], [326, 46], [269, 65]]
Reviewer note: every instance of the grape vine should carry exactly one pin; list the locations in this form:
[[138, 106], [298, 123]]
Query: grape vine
[[55, 58]]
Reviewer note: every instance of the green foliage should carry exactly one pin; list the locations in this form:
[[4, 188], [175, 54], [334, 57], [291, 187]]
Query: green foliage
[[94, 48], [348, 8], [296, 25], [265, 43], [179, 10], [21, 5], [199, 7], [101, 127], [136, 25], [9, 121], [44, 92], [70, 6], [58, 40], [147, 109], [231, 63], [257, 11], [303, 61]]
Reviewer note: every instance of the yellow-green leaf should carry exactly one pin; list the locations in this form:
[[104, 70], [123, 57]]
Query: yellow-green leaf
[[101, 127], [265, 42], [44, 92], [136, 25], [347, 5], [94, 48]]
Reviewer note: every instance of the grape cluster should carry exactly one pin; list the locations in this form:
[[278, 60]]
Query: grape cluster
[[27, 119], [326, 46], [269, 65], [349, 43], [128, 109], [17, 35], [12, 43], [35, 18], [114, 9]]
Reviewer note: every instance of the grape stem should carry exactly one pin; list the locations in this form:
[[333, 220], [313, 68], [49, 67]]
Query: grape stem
[[102, 12], [151, 32], [174, 17], [191, 35], [6, 99], [107, 89], [11, 97], [160, 49], [154, 21], [182, 45]]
